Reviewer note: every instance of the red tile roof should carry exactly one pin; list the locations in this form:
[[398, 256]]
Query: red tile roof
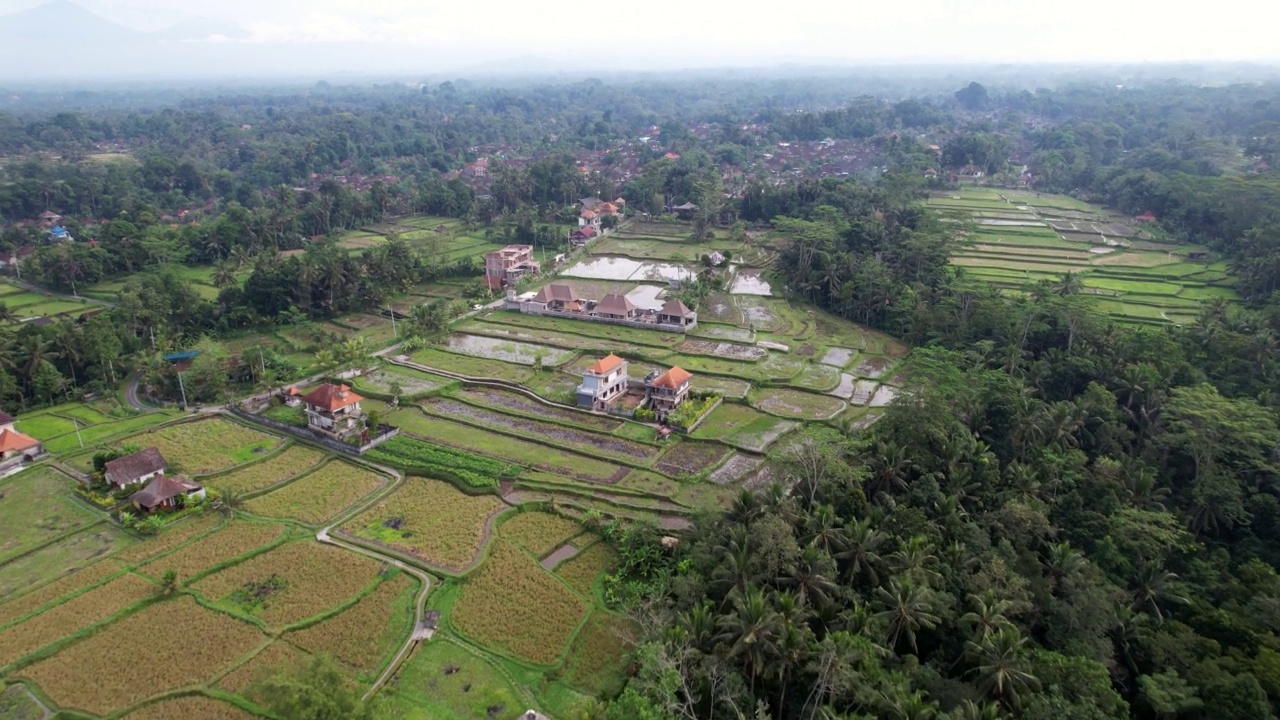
[[606, 365], [673, 378], [331, 397], [14, 441]]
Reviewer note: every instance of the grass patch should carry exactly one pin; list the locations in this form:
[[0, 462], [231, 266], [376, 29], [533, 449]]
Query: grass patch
[[444, 681], [65, 556], [743, 427], [98, 434], [36, 506]]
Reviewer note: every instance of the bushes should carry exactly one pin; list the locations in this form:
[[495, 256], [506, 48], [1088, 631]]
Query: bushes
[[691, 411], [470, 470]]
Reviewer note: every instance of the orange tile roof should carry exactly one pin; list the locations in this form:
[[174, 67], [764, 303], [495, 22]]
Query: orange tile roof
[[12, 440], [673, 378], [331, 397], [606, 365]]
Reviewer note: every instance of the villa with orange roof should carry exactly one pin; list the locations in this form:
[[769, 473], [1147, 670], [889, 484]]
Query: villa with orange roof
[[602, 383], [666, 391], [334, 410], [16, 445]]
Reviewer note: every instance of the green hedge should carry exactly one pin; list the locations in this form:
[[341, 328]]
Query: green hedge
[[415, 455]]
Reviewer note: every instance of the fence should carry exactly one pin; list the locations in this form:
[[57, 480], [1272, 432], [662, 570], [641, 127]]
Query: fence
[[386, 433]]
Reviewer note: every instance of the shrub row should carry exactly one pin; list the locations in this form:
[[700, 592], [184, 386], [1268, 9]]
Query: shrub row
[[415, 455]]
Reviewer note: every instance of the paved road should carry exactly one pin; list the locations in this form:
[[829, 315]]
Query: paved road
[[131, 393]]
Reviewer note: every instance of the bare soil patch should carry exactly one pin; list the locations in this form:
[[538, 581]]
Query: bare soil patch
[[529, 406], [738, 466], [562, 553], [690, 458], [748, 353], [872, 366]]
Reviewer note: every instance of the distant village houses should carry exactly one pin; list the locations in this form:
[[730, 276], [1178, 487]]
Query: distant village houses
[[561, 299]]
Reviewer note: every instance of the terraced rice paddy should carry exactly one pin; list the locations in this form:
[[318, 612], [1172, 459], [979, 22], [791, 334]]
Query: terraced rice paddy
[[539, 532], [207, 446], [1055, 235], [293, 461], [72, 616], [582, 570], [514, 607], [154, 644], [62, 557], [319, 495], [217, 548], [192, 706], [429, 520], [364, 635], [36, 506]]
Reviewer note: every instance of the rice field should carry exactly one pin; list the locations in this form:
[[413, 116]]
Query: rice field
[[197, 707], [581, 571], [171, 537], [429, 520], [154, 644], [65, 556], [289, 584], [36, 506], [797, 404], [319, 495], [72, 616], [66, 585], [268, 661], [207, 446], [363, 636], [598, 658], [539, 532], [514, 607], [217, 548], [743, 427], [293, 461]]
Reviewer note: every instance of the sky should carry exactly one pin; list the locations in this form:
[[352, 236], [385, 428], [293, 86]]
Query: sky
[[693, 33]]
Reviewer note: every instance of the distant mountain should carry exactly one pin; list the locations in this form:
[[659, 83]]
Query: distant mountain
[[197, 29], [63, 22]]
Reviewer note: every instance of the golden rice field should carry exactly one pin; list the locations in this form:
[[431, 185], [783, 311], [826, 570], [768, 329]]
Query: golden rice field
[[319, 495], [154, 647], [295, 460], [429, 519], [581, 570], [195, 707], [513, 606], [170, 538], [271, 659], [207, 446], [65, 585], [539, 532], [223, 545], [72, 616], [598, 658], [315, 577], [363, 635]]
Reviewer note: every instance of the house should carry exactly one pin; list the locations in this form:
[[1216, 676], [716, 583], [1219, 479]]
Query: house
[[292, 396], [334, 410], [675, 312], [559, 297], [13, 258], [503, 267], [971, 172], [136, 468], [477, 169], [664, 392], [582, 235], [671, 156], [166, 492], [615, 307], [48, 219], [14, 444], [59, 234], [715, 259], [684, 211], [594, 217], [590, 203], [533, 715], [602, 383], [931, 174], [1147, 216]]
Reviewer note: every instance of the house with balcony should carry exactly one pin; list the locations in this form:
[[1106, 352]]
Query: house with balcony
[[334, 410], [503, 267], [666, 391], [602, 383]]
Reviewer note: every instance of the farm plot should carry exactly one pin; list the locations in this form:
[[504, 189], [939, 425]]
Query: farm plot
[[444, 681], [817, 378], [871, 366], [289, 584], [319, 495], [743, 427], [172, 536], [62, 557], [797, 404], [35, 507], [720, 385], [738, 466], [72, 616], [424, 458], [507, 350], [105, 431], [207, 446], [721, 308], [598, 658], [529, 454], [525, 405], [45, 426], [267, 662], [295, 460], [515, 607], [539, 532], [363, 635], [66, 585], [191, 706], [606, 334], [687, 458], [155, 645], [471, 366], [581, 571], [732, 351], [583, 440], [429, 520], [722, 332], [215, 549], [412, 383]]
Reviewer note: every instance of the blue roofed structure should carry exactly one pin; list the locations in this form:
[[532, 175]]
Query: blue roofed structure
[[180, 356]]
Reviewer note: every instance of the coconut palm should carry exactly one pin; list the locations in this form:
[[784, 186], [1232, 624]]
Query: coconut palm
[[987, 616], [905, 610], [224, 275], [998, 667], [809, 575], [1156, 590], [861, 554], [750, 631], [823, 529]]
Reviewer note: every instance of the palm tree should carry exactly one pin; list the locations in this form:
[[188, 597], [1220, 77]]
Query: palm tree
[[229, 502], [987, 616], [823, 529], [66, 339], [751, 631], [860, 551], [998, 666], [6, 315], [745, 507], [1157, 589], [35, 350], [915, 560], [1062, 563], [224, 275], [808, 575], [733, 573], [905, 611], [889, 466]]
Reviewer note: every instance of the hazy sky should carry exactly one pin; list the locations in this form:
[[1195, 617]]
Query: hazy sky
[[733, 32]]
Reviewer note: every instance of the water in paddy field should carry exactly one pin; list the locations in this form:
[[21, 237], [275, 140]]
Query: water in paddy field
[[646, 297], [610, 267], [750, 282], [508, 350], [883, 396]]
